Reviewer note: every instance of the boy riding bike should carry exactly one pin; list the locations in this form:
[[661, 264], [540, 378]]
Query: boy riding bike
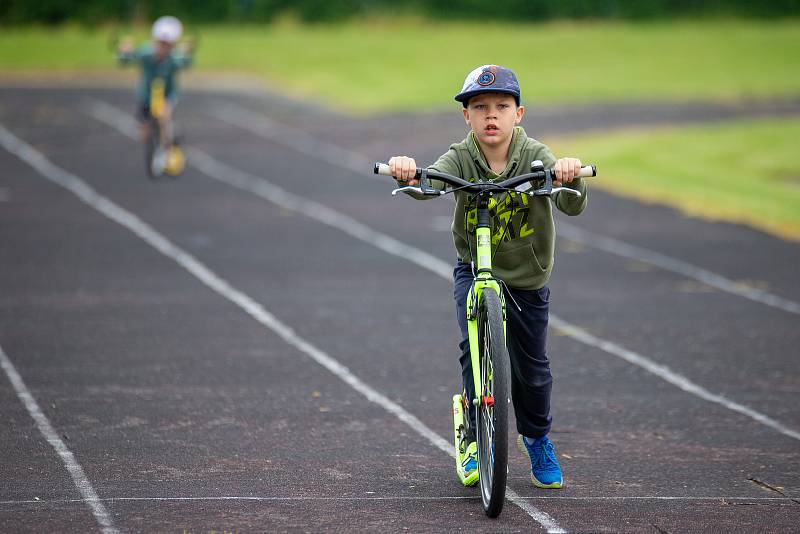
[[159, 62], [523, 242]]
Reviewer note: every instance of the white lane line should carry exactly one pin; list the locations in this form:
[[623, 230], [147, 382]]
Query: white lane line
[[667, 263], [291, 137], [302, 142], [222, 172], [114, 117], [256, 498], [420, 498], [130, 221], [261, 187], [314, 210], [666, 374], [75, 470]]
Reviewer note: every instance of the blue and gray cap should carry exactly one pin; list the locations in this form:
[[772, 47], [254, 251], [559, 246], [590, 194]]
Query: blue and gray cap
[[489, 79]]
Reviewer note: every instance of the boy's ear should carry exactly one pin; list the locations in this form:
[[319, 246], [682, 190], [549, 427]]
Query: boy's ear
[[520, 114], [466, 114]]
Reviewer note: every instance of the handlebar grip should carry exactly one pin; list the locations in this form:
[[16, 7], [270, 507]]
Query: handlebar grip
[[382, 168], [588, 171]]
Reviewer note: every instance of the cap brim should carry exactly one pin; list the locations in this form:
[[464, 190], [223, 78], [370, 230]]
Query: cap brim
[[464, 97]]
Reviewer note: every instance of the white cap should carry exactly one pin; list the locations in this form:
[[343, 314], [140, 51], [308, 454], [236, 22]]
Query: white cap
[[167, 29]]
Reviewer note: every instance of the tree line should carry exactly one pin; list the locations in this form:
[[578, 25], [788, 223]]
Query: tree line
[[263, 11]]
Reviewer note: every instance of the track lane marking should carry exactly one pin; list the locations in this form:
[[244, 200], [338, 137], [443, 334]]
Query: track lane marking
[[418, 498], [288, 136], [293, 138], [162, 244], [277, 195], [668, 263], [49, 433]]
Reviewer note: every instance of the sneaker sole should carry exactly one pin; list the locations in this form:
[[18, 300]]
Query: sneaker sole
[[472, 479], [534, 480]]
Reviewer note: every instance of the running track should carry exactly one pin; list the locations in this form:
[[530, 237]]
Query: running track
[[266, 343]]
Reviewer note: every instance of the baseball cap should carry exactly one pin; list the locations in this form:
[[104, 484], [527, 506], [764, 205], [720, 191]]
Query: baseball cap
[[489, 79]]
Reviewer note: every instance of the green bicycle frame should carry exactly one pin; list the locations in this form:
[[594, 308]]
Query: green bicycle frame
[[483, 281], [157, 98]]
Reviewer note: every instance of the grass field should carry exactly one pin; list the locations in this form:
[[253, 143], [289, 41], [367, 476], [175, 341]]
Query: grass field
[[746, 172], [377, 66]]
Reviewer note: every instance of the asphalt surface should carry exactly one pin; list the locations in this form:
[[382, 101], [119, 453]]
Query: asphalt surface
[[186, 414]]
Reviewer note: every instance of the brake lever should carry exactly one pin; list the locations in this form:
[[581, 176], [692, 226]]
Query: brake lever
[[545, 192], [548, 188], [407, 188], [567, 190], [418, 190]]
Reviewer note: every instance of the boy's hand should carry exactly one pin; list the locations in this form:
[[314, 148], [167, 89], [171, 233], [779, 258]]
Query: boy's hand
[[567, 169], [403, 169], [186, 46], [126, 46]]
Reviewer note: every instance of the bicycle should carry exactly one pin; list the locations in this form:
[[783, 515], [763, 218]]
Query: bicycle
[[486, 321]]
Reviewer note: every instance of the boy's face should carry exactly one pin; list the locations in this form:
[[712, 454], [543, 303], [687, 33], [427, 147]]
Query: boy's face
[[163, 48], [492, 116]]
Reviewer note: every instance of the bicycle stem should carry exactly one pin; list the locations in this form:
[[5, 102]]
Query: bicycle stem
[[483, 235]]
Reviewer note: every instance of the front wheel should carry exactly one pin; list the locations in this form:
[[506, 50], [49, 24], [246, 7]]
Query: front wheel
[[492, 420]]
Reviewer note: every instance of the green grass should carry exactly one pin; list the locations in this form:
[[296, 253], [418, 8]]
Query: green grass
[[745, 172], [375, 66]]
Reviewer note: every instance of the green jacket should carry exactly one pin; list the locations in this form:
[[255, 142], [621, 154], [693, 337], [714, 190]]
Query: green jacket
[[151, 69], [523, 231]]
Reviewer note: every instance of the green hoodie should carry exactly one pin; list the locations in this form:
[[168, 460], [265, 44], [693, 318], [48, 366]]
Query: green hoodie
[[523, 231]]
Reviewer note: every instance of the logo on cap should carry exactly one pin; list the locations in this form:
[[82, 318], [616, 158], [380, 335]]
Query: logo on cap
[[486, 78]]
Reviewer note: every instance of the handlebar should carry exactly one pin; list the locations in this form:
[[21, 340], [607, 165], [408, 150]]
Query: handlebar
[[538, 173]]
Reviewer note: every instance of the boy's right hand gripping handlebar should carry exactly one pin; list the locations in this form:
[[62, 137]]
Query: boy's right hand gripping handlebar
[[538, 173]]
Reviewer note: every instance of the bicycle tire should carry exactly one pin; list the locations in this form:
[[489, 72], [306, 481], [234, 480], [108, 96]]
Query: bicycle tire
[[492, 416], [151, 144]]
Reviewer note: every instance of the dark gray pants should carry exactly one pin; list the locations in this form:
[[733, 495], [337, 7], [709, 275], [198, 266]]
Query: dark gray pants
[[531, 380]]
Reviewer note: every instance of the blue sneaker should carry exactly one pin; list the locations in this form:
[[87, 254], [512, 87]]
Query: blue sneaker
[[470, 461], [545, 469]]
